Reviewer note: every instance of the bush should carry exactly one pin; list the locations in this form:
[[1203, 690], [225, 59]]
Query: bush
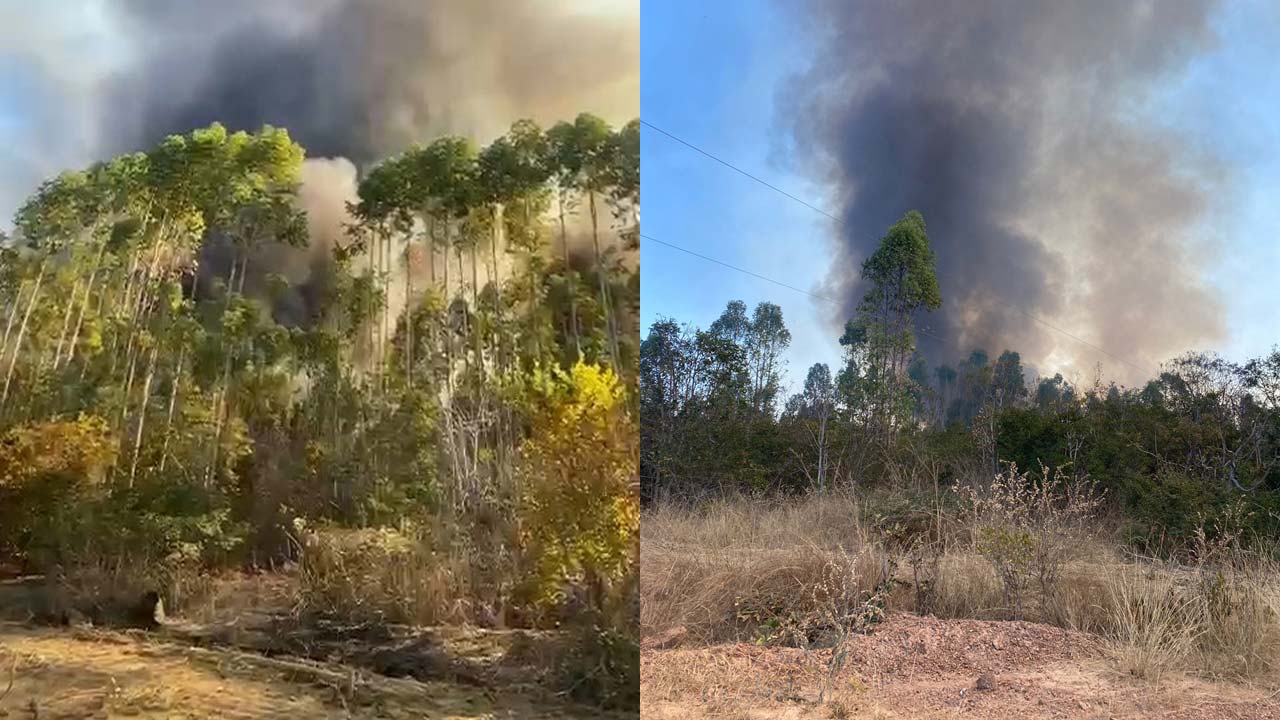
[[601, 666], [600, 659], [1029, 527], [579, 509], [46, 471]]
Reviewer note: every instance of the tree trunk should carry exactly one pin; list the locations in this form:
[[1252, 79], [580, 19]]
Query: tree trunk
[[142, 414], [173, 403], [84, 305], [822, 455], [22, 331], [448, 329], [466, 318], [66, 323], [497, 287], [573, 286], [604, 286], [8, 327], [408, 306]]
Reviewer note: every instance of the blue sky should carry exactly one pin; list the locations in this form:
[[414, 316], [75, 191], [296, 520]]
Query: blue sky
[[711, 75]]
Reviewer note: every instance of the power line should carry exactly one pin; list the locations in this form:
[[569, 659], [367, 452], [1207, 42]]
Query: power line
[[739, 170], [741, 270], [840, 221], [779, 283]]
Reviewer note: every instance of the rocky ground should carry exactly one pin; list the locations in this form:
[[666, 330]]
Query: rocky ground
[[922, 667]]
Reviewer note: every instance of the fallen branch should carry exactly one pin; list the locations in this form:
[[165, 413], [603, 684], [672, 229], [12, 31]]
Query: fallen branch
[[13, 674]]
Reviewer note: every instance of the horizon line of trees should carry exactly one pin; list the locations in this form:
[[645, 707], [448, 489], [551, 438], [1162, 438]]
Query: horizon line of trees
[[1203, 433]]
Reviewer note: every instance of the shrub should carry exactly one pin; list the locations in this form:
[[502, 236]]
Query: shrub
[[579, 510], [47, 470], [600, 660], [601, 666], [1029, 527]]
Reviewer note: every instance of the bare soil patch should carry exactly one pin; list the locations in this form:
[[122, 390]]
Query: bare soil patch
[[923, 667], [245, 656]]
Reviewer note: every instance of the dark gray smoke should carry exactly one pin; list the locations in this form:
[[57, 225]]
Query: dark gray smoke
[[361, 78], [1017, 128], [352, 80]]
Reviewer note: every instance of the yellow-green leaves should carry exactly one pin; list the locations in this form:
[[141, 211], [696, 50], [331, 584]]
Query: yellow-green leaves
[[580, 517]]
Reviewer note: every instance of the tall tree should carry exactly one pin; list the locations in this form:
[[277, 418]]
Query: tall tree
[[902, 282]]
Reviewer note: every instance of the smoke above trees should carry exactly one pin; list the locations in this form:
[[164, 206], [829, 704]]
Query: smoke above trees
[[1021, 131], [352, 80]]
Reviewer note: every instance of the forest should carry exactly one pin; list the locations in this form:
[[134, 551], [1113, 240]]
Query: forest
[[430, 419], [1201, 436], [883, 521]]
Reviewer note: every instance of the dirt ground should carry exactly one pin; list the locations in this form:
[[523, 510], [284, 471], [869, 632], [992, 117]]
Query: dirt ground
[[57, 673], [228, 662], [920, 667]]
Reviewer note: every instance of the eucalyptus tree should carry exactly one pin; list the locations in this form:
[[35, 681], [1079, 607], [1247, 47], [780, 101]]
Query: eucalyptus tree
[[385, 211], [445, 170], [767, 340], [814, 408], [902, 283], [138, 292], [244, 186], [583, 152], [512, 173], [54, 217], [945, 376]]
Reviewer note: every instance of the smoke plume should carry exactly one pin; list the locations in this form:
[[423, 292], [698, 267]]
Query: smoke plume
[[352, 80], [361, 78], [1021, 131]]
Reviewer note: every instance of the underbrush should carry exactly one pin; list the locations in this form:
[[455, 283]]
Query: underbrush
[[552, 548], [1025, 546], [405, 576]]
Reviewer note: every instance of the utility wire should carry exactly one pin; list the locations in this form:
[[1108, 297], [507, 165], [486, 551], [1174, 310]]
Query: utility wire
[[739, 170], [840, 221], [779, 283]]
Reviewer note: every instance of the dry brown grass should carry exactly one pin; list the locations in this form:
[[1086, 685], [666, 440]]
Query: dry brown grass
[[382, 575], [1220, 622], [1151, 627], [724, 570], [713, 569]]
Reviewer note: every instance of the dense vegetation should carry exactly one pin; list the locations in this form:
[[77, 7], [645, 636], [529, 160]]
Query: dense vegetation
[[1196, 445], [444, 398]]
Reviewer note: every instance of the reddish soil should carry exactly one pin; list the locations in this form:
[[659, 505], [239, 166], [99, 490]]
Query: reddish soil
[[920, 667]]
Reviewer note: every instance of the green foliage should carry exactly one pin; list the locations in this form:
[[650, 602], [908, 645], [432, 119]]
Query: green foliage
[[150, 297], [1180, 449], [79, 451], [602, 666], [580, 517]]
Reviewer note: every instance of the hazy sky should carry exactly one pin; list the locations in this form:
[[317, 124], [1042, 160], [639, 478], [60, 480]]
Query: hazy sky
[[81, 80], [712, 76]]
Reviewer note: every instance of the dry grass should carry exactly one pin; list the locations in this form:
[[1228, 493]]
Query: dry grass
[[1151, 627], [728, 570], [720, 569], [382, 575]]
